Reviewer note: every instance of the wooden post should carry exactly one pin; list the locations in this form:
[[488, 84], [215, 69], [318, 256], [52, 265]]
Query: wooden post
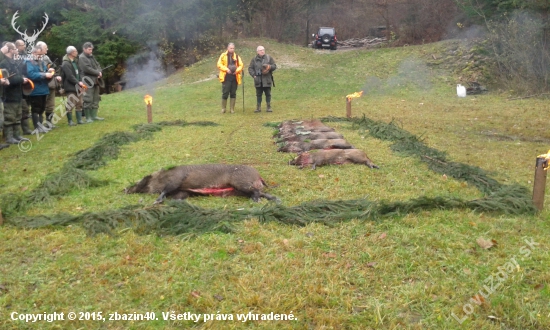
[[149, 113], [348, 107], [539, 184]]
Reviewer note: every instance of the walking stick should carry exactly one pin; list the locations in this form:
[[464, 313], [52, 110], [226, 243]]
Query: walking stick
[[242, 78]]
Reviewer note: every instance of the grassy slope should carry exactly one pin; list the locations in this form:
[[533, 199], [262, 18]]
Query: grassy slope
[[427, 265]]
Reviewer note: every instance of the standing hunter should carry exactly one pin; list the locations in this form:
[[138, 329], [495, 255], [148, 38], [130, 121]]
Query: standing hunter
[[231, 66], [13, 93], [261, 68], [53, 84], [89, 67]]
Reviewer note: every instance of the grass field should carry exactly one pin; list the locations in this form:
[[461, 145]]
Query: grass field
[[421, 270]]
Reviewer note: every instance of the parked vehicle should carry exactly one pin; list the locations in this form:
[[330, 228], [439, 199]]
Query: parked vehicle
[[325, 38]]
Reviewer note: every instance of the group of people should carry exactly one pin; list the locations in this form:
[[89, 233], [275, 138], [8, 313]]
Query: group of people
[[29, 84], [261, 68]]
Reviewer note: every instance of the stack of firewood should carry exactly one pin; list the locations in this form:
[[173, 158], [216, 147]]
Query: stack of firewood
[[361, 42]]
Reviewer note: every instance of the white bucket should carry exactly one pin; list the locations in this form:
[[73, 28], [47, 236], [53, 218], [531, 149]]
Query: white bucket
[[460, 90]]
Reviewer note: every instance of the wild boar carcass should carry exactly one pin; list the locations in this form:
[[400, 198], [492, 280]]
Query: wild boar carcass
[[294, 146], [333, 156], [208, 179], [313, 136]]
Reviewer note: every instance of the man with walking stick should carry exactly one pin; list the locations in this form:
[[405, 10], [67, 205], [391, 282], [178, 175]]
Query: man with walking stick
[[230, 65]]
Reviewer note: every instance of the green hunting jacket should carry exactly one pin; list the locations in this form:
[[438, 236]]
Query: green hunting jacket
[[88, 67], [255, 69]]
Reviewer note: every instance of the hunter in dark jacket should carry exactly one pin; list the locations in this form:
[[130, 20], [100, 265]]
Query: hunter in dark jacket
[[261, 68], [72, 85], [12, 95], [90, 71]]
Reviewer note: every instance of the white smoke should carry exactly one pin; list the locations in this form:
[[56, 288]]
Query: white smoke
[[144, 68]]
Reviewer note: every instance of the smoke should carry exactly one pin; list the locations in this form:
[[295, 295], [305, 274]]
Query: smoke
[[412, 73], [144, 68]]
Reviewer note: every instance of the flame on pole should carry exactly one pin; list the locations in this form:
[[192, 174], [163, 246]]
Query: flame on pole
[[349, 97], [149, 101], [539, 184]]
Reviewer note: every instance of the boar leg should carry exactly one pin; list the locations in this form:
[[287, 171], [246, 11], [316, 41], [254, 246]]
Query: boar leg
[[256, 195], [160, 199], [371, 165], [269, 197]]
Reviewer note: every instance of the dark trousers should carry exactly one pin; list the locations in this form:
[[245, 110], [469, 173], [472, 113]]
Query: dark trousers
[[229, 88], [37, 103], [260, 91]]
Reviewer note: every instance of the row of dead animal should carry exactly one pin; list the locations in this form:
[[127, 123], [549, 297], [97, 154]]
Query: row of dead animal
[[225, 180], [331, 148]]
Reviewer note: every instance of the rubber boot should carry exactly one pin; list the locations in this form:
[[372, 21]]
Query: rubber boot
[[49, 117], [269, 107], [224, 105], [88, 114], [3, 145], [8, 130], [34, 117], [79, 118], [17, 133], [232, 105], [70, 118], [43, 129], [94, 115], [258, 108], [25, 126]]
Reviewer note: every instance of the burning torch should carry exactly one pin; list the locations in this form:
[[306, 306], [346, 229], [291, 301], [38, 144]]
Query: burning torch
[[149, 101], [349, 97]]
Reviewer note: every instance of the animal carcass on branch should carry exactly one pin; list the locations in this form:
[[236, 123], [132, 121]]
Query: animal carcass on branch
[[208, 179]]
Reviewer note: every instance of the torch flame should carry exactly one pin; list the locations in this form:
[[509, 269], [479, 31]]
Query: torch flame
[[547, 157], [148, 99], [354, 95]]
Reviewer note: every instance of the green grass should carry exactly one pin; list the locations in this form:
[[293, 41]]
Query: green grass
[[410, 271]]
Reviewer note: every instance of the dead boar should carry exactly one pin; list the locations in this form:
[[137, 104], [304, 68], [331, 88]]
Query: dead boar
[[333, 156], [222, 180], [295, 146], [312, 136]]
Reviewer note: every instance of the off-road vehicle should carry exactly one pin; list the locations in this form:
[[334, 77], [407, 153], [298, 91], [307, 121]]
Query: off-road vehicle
[[325, 38]]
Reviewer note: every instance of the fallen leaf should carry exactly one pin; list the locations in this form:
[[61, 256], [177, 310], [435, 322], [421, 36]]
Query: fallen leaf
[[219, 297], [473, 224], [321, 176], [479, 298], [329, 255], [485, 244], [494, 318], [467, 271], [127, 257], [382, 236], [337, 179], [24, 188], [79, 208], [285, 242], [539, 286], [196, 294], [372, 264], [309, 234]]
